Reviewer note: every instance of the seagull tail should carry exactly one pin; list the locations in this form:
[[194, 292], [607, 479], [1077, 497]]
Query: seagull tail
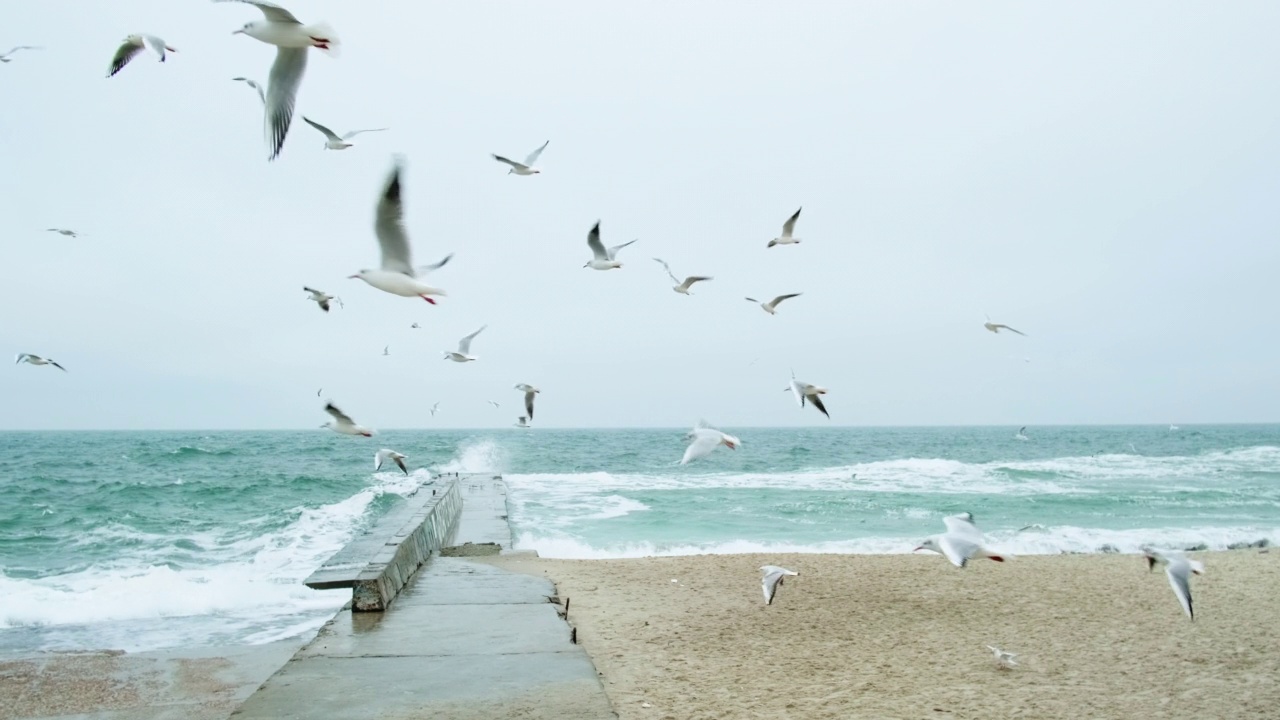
[[325, 39]]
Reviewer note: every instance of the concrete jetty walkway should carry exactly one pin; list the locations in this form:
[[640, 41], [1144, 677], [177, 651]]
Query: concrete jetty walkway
[[462, 640]]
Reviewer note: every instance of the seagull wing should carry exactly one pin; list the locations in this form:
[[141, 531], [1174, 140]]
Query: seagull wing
[[817, 402], [1179, 572], [962, 525], [512, 163], [797, 390], [689, 281], [272, 11], [464, 345], [770, 583], [774, 302], [354, 133], [593, 242], [1006, 327], [379, 457], [528, 403], [155, 44], [261, 96], [790, 225], [124, 54], [388, 225], [533, 156], [613, 251], [704, 441], [958, 549], [327, 132], [338, 415], [424, 269], [282, 91], [21, 357], [752, 300], [667, 267]]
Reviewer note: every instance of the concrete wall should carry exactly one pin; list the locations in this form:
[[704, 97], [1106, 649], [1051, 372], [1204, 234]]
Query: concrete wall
[[426, 531]]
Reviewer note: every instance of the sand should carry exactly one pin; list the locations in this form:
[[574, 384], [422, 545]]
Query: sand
[[896, 636]]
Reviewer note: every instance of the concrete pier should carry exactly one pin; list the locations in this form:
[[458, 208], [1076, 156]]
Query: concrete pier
[[463, 640]]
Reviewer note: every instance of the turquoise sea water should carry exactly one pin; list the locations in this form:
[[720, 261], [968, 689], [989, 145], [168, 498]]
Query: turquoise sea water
[[141, 540]]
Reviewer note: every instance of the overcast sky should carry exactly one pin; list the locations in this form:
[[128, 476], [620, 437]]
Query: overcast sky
[[1102, 176]]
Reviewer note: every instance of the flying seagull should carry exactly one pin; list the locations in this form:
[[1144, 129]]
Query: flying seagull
[[292, 39], [522, 422], [342, 423], [434, 408], [64, 232], [787, 228], [772, 579], [386, 454], [526, 167], [463, 353], [1022, 433], [386, 350], [133, 45], [333, 142], [529, 393], [4, 58], [494, 403], [703, 440], [602, 259], [397, 275], [961, 542], [1179, 568], [681, 287], [806, 391], [253, 84], [36, 360], [322, 298], [771, 307], [1003, 659], [997, 327]]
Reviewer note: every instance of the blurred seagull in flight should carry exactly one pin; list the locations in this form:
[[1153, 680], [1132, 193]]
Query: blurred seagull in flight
[[602, 259], [253, 84], [771, 307], [787, 228], [1179, 568], [5, 57], [36, 360], [332, 141], [322, 298], [133, 45], [703, 440], [526, 167], [397, 275], [1003, 659], [806, 391], [386, 454], [997, 327], [463, 353], [681, 287], [961, 542], [529, 393], [343, 424], [772, 577]]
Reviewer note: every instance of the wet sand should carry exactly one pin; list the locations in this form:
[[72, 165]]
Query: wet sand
[[900, 636]]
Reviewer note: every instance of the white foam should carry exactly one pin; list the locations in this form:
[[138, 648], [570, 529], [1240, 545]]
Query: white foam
[[482, 456]]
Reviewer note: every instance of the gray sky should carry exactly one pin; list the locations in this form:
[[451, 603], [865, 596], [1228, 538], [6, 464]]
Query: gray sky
[[1100, 175]]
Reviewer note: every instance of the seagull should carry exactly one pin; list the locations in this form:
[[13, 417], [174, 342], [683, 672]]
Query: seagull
[[397, 274], [415, 326], [386, 454], [787, 228], [464, 350], [494, 403], [36, 360], [771, 307], [322, 298], [772, 578], [133, 45], [603, 259], [1003, 658], [292, 39], [526, 167], [1022, 433], [5, 57], [529, 391], [681, 287], [522, 422], [961, 542], [1179, 569], [1173, 428], [319, 391], [386, 350], [64, 232], [334, 142], [806, 391], [997, 327], [704, 439], [343, 424], [253, 85], [434, 408]]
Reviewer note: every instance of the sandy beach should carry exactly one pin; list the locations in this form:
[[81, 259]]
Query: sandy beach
[[899, 636]]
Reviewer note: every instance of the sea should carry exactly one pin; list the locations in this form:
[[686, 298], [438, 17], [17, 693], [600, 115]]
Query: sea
[[149, 540]]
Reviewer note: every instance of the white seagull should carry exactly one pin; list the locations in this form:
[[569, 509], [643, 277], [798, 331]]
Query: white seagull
[[681, 287], [64, 232], [386, 454], [333, 142], [772, 578], [602, 259], [397, 275], [806, 391], [343, 424], [494, 403], [292, 39], [1179, 568], [703, 440], [133, 45], [434, 408], [787, 228], [526, 167], [771, 307], [1003, 659], [36, 360], [529, 393], [253, 84], [522, 422], [386, 350], [1022, 433], [322, 298], [997, 327], [961, 542], [463, 353], [4, 58]]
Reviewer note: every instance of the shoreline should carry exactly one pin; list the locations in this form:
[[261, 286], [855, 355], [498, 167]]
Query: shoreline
[[905, 636]]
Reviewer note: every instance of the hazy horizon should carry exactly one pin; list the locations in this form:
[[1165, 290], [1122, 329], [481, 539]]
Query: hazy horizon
[[1101, 177]]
